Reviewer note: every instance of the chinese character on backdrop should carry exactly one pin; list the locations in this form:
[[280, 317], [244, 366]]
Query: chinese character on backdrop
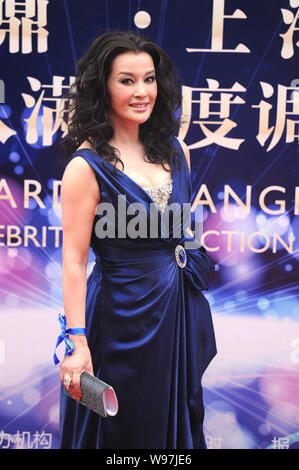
[[20, 21]]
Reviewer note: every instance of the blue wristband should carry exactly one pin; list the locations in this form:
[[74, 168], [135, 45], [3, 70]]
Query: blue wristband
[[64, 337]]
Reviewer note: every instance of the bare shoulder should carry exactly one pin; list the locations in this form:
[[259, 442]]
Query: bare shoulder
[[186, 152], [79, 164], [79, 177]]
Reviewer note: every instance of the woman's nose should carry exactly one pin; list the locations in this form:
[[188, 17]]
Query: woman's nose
[[140, 90]]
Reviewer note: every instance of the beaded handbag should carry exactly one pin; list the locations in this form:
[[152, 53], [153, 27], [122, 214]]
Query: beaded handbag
[[97, 395]]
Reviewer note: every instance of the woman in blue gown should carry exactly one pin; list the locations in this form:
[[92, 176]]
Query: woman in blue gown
[[149, 331]]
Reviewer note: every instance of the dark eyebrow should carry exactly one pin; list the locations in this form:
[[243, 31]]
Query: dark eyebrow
[[130, 73]]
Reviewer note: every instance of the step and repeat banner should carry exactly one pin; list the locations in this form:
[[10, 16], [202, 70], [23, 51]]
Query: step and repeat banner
[[238, 61]]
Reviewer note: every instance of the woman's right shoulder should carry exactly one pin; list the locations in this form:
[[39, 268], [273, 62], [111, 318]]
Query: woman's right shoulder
[[78, 173], [78, 158], [78, 162]]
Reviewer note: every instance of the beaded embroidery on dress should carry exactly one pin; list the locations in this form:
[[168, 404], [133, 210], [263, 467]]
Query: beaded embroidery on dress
[[160, 193]]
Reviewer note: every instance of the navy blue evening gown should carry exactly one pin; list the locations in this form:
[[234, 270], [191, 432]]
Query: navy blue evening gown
[[149, 327]]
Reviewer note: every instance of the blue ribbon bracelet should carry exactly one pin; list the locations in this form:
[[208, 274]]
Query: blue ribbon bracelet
[[64, 337]]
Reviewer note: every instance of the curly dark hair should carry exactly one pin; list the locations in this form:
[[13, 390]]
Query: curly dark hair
[[87, 100]]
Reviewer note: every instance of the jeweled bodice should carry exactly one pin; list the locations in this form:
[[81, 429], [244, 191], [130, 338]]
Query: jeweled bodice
[[160, 193]]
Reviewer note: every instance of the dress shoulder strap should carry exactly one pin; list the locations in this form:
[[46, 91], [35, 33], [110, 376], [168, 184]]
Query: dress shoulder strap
[[183, 156], [96, 162]]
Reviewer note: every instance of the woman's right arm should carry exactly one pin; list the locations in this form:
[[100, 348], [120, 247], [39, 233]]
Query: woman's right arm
[[79, 197]]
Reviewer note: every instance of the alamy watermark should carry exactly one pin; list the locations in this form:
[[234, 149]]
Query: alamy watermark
[[132, 220], [2, 92]]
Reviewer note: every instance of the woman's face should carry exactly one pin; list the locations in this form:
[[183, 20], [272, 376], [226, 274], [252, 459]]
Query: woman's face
[[132, 88]]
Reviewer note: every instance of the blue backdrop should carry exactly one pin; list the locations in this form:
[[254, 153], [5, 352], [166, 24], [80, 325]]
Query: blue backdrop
[[239, 66]]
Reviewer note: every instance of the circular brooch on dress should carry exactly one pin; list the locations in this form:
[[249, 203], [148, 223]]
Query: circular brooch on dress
[[180, 256]]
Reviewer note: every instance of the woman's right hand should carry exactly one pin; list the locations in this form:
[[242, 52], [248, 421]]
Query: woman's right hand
[[77, 362]]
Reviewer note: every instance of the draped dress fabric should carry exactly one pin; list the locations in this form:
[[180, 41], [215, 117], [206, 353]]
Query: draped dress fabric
[[149, 326]]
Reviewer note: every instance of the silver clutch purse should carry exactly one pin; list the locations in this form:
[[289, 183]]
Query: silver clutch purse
[[97, 395]]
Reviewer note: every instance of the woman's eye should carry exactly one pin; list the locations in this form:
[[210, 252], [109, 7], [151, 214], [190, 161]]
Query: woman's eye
[[126, 80]]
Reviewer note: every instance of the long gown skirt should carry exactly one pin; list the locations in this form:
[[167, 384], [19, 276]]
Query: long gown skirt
[[149, 326]]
